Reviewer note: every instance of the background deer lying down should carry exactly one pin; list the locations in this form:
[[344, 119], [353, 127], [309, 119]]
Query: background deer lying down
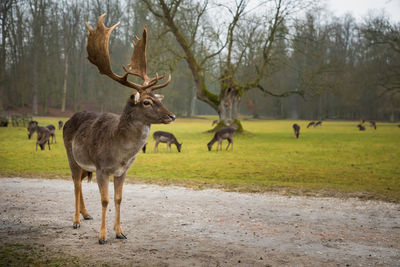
[[361, 127], [43, 137], [225, 133], [165, 137], [109, 143], [296, 129]]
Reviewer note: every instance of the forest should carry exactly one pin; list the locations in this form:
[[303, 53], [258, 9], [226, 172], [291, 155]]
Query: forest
[[283, 59]]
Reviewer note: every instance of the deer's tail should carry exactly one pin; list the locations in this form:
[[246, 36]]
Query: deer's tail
[[90, 175]]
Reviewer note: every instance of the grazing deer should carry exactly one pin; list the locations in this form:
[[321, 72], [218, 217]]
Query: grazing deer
[[165, 137], [296, 129], [361, 127], [109, 143], [43, 137], [372, 124], [32, 128], [225, 133], [318, 123], [52, 130], [310, 124], [60, 125]]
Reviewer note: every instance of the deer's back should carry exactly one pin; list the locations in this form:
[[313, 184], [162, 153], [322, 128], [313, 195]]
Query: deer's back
[[80, 119], [225, 133], [163, 136]]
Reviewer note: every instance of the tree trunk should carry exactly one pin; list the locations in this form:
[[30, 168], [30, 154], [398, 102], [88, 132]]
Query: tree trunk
[[64, 95], [193, 103], [228, 110], [35, 84]]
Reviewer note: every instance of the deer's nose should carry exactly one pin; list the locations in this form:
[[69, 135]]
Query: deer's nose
[[172, 117]]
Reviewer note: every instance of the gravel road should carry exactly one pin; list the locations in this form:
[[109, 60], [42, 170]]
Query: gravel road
[[176, 226]]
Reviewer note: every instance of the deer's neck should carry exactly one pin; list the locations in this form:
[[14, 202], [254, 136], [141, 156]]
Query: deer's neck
[[132, 131]]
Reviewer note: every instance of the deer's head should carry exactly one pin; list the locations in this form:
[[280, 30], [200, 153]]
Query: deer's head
[[31, 128], [179, 146], [143, 104]]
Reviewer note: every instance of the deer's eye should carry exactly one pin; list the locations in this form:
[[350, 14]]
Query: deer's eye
[[146, 103]]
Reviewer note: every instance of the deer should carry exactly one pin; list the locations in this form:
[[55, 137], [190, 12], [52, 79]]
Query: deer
[[361, 127], [166, 137], [108, 143], [372, 124], [43, 137], [220, 135], [318, 123], [60, 124], [310, 124], [296, 129], [33, 126]]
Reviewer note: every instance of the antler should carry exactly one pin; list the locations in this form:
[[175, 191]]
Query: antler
[[98, 54]]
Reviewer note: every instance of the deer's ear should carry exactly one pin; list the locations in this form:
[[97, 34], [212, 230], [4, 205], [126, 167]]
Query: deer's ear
[[135, 97], [159, 97]]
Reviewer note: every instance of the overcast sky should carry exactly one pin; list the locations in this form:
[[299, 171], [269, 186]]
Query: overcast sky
[[360, 8]]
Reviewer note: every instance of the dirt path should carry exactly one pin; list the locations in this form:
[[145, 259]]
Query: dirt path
[[180, 227]]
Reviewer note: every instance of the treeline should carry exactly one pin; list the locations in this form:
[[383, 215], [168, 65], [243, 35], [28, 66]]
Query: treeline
[[333, 67]]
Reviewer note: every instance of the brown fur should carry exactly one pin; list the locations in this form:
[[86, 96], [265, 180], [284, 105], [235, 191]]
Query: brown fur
[[296, 129], [225, 133], [43, 137], [165, 137]]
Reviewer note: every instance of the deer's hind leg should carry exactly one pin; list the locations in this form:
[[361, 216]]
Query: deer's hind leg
[[76, 177], [118, 184], [82, 207]]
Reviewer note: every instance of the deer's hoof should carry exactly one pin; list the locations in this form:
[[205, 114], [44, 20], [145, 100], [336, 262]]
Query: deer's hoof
[[102, 241], [88, 217], [121, 236], [76, 225]]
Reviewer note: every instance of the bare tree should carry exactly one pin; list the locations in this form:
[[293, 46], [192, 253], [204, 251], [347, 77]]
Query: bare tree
[[226, 103]]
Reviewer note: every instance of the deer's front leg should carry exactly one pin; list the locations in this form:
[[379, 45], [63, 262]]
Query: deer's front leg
[[118, 184], [156, 147], [102, 182]]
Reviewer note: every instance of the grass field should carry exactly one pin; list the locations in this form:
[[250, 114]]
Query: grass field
[[335, 159]]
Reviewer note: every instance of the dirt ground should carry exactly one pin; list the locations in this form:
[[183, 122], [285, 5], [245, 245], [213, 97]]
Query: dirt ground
[[182, 227]]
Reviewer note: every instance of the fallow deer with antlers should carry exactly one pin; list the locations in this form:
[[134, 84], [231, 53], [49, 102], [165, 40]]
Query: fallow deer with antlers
[[108, 143]]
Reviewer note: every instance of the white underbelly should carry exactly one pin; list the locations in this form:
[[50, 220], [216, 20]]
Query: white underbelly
[[87, 167]]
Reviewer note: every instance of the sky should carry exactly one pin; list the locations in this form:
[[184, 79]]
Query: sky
[[360, 8]]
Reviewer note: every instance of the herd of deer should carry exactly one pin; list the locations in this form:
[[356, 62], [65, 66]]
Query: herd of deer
[[43, 133], [107, 143], [361, 126]]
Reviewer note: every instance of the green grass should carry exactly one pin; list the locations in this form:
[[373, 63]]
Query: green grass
[[335, 159]]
